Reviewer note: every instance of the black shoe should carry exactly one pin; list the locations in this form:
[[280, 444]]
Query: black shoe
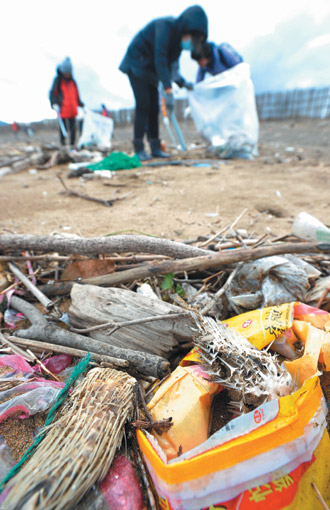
[[156, 150], [143, 156], [139, 149]]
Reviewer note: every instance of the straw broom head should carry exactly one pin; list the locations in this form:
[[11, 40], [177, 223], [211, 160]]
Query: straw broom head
[[79, 447]]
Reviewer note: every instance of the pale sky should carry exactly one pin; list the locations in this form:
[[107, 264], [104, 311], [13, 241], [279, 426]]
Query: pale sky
[[36, 35]]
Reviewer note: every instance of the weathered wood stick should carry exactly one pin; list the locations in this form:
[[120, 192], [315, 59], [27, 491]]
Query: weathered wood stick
[[206, 262], [62, 349], [147, 364], [14, 348], [9, 162], [73, 193], [47, 303], [96, 245], [119, 325], [46, 258], [60, 258]]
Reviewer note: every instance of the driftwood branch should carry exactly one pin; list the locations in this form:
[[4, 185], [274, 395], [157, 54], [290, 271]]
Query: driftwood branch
[[206, 262], [118, 325], [61, 258], [100, 245], [61, 349], [40, 329], [14, 348], [47, 303], [73, 193]]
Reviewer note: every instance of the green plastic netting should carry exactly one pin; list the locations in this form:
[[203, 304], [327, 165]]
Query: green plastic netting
[[117, 161]]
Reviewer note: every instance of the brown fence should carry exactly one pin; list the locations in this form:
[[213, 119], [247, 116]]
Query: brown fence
[[293, 104]]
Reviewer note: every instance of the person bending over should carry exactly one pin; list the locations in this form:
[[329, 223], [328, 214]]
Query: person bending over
[[149, 60], [215, 59]]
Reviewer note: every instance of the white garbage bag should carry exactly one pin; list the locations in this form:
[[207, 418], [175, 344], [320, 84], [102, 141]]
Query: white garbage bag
[[97, 130], [224, 110]]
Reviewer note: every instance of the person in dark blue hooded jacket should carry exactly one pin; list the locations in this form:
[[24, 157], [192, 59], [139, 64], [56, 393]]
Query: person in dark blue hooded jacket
[[149, 60], [215, 59]]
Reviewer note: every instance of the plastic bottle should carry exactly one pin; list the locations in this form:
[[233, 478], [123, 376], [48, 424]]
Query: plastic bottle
[[310, 228]]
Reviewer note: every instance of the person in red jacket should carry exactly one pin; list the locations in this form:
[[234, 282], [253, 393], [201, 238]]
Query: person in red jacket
[[64, 98]]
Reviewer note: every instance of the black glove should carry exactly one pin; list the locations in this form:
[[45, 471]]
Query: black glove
[[188, 85]]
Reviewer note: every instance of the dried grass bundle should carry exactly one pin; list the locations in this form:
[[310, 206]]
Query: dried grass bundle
[[251, 376], [79, 447]]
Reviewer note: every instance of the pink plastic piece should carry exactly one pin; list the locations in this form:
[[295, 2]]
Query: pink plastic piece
[[121, 487], [56, 364]]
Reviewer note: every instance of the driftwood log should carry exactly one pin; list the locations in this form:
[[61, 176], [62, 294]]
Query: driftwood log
[[41, 330], [61, 349], [93, 305], [100, 245], [205, 262]]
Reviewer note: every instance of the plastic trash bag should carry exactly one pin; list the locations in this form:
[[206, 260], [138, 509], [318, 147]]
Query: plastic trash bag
[[224, 110], [271, 281], [22, 392], [97, 130], [6, 458]]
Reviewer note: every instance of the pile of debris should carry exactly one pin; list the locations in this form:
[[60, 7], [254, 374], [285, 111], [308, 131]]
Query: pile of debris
[[162, 344], [44, 156]]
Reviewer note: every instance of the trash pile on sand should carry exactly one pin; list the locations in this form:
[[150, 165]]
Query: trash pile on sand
[[196, 374]]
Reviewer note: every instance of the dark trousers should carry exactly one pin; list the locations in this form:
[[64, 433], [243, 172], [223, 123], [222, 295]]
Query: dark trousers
[[70, 126], [146, 108]]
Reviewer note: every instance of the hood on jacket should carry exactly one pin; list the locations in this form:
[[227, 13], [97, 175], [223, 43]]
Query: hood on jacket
[[65, 67], [192, 20]]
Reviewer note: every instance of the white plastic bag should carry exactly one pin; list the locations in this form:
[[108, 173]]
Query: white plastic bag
[[224, 110], [97, 130]]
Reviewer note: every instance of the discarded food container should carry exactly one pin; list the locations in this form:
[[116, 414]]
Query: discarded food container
[[186, 397], [263, 459]]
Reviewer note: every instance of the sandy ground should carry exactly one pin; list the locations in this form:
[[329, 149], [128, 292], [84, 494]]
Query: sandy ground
[[291, 174]]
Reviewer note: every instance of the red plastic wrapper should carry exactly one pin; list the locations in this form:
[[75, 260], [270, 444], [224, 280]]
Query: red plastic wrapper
[[120, 489], [56, 364]]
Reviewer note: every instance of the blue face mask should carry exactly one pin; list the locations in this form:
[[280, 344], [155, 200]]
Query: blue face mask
[[187, 45]]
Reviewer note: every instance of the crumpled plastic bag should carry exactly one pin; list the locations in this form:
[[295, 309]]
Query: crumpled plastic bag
[[224, 111], [119, 490], [270, 281], [6, 458], [22, 393]]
